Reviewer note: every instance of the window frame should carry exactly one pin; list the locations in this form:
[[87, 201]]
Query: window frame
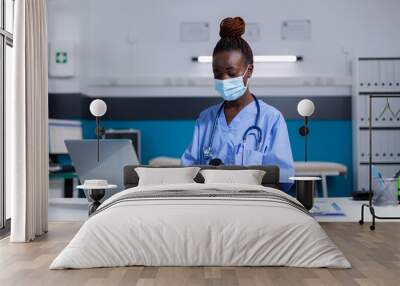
[[6, 39]]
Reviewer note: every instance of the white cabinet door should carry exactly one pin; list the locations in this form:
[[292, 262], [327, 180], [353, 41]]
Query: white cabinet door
[[369, 75], [386, 75]]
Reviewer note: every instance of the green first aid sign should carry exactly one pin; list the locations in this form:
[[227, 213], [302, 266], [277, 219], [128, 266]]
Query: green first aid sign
[[61, 57]]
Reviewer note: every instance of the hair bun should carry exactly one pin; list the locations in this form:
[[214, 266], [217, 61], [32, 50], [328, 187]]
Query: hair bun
[[232, 27]]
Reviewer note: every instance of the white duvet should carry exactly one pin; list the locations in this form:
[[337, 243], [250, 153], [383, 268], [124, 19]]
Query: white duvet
[[200, 231]]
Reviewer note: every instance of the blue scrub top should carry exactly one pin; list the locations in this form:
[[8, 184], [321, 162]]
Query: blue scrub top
[[227, 144]]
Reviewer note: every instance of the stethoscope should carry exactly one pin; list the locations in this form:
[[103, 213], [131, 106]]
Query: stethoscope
[[208, 151]]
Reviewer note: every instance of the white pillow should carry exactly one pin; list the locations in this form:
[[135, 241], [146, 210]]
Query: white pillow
[[166, 176], [249, 177]]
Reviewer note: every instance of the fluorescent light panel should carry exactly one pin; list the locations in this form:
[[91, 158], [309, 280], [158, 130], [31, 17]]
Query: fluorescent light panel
[[276, 59], [257, 59]]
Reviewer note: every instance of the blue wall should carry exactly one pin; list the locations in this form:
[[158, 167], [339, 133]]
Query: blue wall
[[329, 140]]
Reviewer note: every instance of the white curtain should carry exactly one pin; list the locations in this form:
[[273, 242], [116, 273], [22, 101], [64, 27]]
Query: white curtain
[[26, 123]]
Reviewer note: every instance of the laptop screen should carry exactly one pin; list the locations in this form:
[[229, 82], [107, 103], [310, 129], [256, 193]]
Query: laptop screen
[[115, 154]]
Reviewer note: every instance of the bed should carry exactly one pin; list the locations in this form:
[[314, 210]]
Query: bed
[[197, 224], [321, 169]]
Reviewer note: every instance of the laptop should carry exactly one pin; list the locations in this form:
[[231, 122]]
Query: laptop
[[115, 154]]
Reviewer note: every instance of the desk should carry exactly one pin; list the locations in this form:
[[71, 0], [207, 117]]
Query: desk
[[352, 209], [68, 178]]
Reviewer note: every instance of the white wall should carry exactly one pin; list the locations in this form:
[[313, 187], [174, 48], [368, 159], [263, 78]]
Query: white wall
[[123, 42]]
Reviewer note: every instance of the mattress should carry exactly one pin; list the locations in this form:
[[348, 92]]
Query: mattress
[[319, 167], [164, 161], [300, 166], [201, 225]]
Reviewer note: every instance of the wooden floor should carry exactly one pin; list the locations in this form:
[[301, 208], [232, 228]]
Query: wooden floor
[[375, 257]]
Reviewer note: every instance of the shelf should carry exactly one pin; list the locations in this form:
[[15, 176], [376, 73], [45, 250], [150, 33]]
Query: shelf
[[378, 79], [380, 163], [381, 128], [387, 93], [378, 59]]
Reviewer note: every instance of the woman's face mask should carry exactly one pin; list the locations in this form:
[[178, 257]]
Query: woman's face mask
[[232, 88]]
